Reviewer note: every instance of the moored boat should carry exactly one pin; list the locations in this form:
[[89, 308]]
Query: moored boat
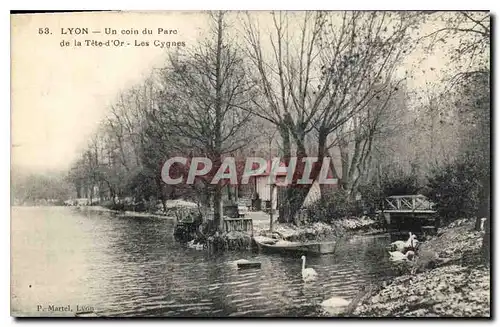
[[248, 265], [265, 244]]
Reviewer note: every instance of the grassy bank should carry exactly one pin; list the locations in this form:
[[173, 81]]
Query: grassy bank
[[317, 231], [448, 279]]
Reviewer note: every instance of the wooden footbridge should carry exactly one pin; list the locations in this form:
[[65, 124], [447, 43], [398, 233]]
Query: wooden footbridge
[[402, 211]]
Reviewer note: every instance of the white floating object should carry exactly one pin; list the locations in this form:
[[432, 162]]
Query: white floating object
[[308, 274]]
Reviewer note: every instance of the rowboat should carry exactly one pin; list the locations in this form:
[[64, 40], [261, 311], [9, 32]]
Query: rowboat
[[248, 265], [265, 244]]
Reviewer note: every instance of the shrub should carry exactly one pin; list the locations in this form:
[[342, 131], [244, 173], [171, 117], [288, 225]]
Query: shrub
[[372, 196], [332, 206], [400, 183], [455, 187], [113, 206], [394, 181]]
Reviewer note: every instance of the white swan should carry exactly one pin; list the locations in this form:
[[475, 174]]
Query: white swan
[[334, 305], [397, 256], [308, 274], [412, 240], [482, 224], [335, 302], [87, 314], [397, 246], [401, 245], [197, 246]]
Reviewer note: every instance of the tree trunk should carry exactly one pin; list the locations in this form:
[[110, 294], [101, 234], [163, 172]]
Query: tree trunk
[[322, 187], [91, 194], [219, 116], [78, 187], [111, 192], [161, 196], [217, 201], [297, 193], [344, 157], [283, 210]]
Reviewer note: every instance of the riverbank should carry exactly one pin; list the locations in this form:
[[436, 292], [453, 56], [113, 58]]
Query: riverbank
[[131, 214], [448, 279], [317, 231]]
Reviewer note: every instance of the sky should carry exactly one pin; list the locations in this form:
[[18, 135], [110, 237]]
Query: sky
[[59, 94]]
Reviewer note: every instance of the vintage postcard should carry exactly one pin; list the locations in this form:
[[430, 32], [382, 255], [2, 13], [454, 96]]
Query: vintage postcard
[[250, 164]]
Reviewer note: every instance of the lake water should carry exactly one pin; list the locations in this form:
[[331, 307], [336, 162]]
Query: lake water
[[123, 266]]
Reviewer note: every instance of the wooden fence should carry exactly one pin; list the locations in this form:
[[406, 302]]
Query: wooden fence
[[244, 225]]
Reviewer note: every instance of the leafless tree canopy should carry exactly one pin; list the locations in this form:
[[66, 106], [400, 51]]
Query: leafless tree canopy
[[337, 84]]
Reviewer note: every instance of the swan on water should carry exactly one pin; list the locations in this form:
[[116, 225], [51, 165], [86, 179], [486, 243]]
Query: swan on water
[[335, 302], [308, 274], [334, 305], [397, 256], [197, 246], [400, 246]]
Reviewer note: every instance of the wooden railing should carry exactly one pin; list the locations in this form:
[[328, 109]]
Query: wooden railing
[[186, 215], [244, 225], [408, 203]]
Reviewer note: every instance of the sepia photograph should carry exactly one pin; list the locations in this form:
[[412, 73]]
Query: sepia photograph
[[223, 164]]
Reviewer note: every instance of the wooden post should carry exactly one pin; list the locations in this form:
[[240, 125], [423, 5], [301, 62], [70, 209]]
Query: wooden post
[[271, 210], [272, 184], [387, 217], [221, 210]]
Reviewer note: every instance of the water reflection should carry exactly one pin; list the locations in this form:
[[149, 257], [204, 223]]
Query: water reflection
[[134, 267]]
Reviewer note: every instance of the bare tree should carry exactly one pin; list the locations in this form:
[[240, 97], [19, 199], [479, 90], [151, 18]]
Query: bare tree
[[357, 138], [204, 92], [319, 79], [469, 71]]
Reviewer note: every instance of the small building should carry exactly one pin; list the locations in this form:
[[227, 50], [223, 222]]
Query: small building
[[262, 186]]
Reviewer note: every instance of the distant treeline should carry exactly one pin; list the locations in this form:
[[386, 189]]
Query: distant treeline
[[39, 188]]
